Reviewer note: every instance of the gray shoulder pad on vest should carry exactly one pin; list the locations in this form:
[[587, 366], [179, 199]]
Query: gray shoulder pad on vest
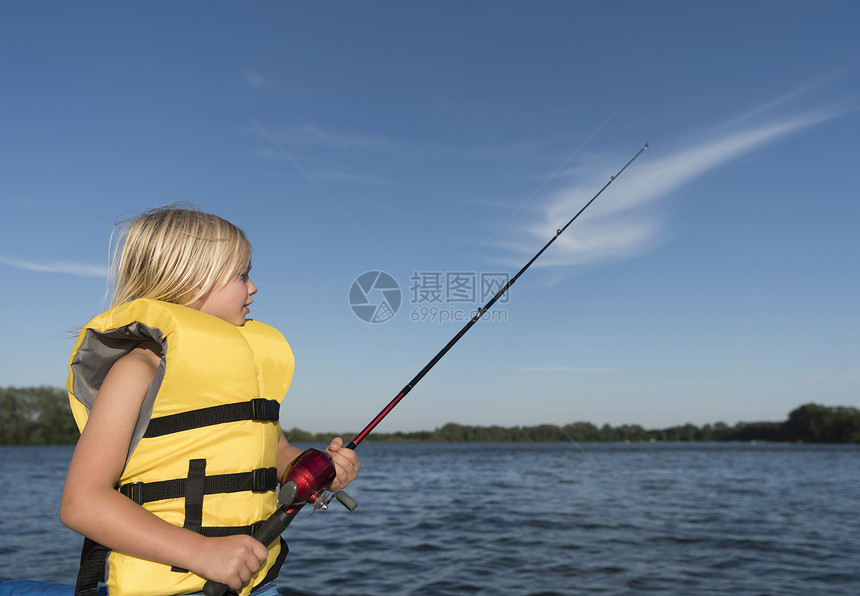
[[99, 352]]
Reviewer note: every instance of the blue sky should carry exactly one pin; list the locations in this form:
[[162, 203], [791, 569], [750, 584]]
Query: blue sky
[[715, 280]]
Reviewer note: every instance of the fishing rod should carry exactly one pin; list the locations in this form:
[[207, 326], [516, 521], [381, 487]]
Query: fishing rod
[[309, 475], [478, 314]]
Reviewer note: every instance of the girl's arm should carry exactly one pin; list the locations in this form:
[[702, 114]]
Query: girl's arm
[[91, 505]]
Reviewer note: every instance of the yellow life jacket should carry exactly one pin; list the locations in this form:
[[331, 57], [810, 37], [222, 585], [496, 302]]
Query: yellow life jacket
[[208, 425]]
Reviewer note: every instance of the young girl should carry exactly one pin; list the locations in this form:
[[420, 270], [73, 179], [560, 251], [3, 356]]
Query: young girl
[[177, 396]]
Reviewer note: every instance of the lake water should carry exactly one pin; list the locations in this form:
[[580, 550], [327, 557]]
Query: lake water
[[537, 519]]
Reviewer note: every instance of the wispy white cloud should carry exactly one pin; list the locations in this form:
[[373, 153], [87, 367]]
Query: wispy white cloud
[[78, 269], [629, 225], [789, 96]]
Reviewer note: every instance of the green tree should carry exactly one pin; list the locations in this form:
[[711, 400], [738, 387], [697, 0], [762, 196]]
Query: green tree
[[451, 433], [36, 416], [814, 423], [582, 431], [631, 432]]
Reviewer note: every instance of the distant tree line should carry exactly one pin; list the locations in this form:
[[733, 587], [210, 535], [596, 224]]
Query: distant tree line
[[36, 416], [41, 416]]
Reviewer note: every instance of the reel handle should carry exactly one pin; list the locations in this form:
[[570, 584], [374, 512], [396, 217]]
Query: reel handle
[[345, 500]]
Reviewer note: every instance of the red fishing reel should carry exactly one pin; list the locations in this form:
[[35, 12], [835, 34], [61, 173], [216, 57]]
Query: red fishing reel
[[307, 480]]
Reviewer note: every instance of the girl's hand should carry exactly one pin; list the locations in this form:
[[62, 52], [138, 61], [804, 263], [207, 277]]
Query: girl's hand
[[230, 561], [345, 462]]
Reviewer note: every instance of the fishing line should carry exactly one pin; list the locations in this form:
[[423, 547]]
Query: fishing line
[[316, 184], [339, 387], [478, 314]]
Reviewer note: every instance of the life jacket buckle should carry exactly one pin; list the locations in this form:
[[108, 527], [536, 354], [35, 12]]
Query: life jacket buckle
[[263, 479], [134, 491], [264, 409]]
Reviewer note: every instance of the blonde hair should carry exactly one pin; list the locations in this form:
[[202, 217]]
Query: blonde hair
[[176, 254]]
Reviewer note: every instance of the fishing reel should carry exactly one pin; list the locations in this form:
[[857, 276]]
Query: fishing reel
[[307, 481]]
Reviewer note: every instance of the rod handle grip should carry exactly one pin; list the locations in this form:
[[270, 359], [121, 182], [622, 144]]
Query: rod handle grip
[[266, 533], [215, 589]]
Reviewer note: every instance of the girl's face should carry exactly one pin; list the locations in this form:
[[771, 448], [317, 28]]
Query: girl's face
[[230, 301]]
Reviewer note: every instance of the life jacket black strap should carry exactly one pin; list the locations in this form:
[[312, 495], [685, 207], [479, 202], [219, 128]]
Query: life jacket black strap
[[258, 481], [222, 531], [266, 410], [194, 490], [94, 557], [92, 570]]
